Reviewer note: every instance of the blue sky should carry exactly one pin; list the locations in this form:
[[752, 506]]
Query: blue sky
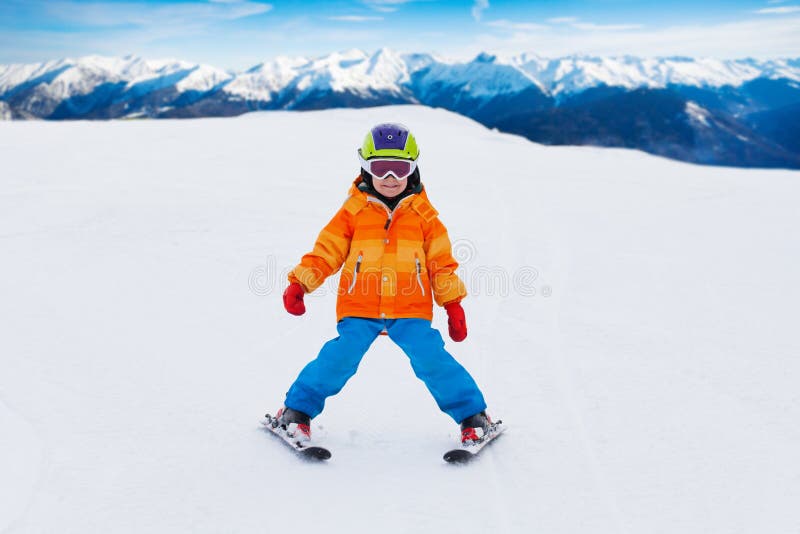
[[236, 34]]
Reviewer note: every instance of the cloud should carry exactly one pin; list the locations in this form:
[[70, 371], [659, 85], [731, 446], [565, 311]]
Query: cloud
[[562, 20], [354, 18], [478, 8], [589, 26], [516, 26], [76, 28], [576, 23], [141, 13], [757, 37], [569, 22], [783, 10], [385, 6]]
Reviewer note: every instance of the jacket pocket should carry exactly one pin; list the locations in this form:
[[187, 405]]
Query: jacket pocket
[[355, 273], [419, 274]]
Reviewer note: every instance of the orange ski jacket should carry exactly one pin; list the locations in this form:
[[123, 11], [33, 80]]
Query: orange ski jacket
[[396, 262]]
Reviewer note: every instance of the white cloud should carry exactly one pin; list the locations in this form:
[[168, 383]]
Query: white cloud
[[758, 37], [354, 18], [576, 23], [140, 13], [516, 26], [385, 6], [783, 10], [571, 22], [478, 8], [562, 20], [589, 26]]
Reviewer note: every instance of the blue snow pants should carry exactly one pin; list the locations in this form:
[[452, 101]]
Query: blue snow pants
[[450, 384]]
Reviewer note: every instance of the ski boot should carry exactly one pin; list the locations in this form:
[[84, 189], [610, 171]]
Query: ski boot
[[477, 431], [475, 428], [297, 425]]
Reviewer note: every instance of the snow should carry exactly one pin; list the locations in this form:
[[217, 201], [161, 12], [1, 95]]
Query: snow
[[631, 319], [16, 74], [484, 77], [698, 114], [262, 81], [354, 70], [203, 78], [5, 112]]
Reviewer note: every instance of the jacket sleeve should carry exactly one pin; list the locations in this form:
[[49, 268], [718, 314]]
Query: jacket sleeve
[[328, 255], [446, 285]]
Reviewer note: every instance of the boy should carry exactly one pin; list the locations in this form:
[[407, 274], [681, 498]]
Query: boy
[[397, 259]]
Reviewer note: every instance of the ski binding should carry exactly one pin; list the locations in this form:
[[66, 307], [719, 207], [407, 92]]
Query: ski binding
[[302, 448], [467, 452]]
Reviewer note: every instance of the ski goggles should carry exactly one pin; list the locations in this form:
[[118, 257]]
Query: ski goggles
[[382, 168]]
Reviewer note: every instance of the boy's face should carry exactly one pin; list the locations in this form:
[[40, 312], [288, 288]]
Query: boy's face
[[389, 187]]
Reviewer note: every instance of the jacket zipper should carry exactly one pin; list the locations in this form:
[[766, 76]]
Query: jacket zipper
[[355, 273], [389, 213], [390, 216]]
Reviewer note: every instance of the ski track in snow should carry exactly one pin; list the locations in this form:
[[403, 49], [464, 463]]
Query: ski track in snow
[[564, 382], [653, 391]]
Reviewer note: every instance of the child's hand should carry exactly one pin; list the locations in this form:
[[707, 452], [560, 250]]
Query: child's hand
[[293, 299], [456, 322]]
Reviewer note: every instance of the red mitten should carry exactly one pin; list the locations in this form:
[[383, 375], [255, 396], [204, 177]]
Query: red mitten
[[293, 299], [456, 322]]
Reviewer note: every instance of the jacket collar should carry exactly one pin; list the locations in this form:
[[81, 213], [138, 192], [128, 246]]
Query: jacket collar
[[358, 200]]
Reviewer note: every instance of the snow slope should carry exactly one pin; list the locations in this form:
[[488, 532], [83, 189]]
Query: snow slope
[[649, 383]]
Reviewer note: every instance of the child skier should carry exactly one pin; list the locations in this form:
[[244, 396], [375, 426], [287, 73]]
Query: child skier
[[397, 259]]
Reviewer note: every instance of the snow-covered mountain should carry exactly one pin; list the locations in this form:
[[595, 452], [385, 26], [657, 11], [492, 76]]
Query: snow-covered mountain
[[5, 112], [96, 86], [576, 74], [571, 100], [354, 70]]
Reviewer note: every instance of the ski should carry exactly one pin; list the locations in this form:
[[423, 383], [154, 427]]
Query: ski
[[304, 450], [465, 453]]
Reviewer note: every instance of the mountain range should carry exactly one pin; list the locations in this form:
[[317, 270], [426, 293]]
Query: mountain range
[[742, 112]]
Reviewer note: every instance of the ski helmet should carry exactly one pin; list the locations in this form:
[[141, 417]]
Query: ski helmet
[[389, 140]]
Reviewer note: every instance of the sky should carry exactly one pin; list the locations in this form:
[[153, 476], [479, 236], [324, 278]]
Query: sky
[[237, 34]]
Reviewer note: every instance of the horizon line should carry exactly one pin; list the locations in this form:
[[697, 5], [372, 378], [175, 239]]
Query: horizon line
[[438, 56]]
